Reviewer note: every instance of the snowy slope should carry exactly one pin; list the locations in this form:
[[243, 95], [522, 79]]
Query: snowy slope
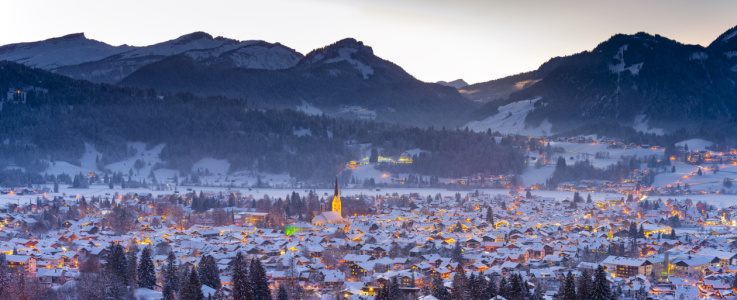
[[346, 54], [192, 41], [511, 120], [695, 144], [249, 55], [62, 51]]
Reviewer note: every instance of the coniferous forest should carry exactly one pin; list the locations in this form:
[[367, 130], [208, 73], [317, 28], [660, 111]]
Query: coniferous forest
[[62, 114]]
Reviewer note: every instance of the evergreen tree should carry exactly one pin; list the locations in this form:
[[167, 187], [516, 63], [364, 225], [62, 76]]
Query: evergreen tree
[[602, 290], [438, 289], [394, 292], [480, 287], [259, 281], [503, 288], [282, 295], [516, 290], [457, 253], [584, 285], [117, 265], [641, 232], [472, 287], [490, 216], [460, 284], [4, 276], [491, 290], [132, 260], [241, 281], [171, 277], [192, 289], [146, 272], [209, 273]]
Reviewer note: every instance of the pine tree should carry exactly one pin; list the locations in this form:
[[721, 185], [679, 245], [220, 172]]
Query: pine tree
[[472, 287], [259, 281], [132, 260], [171, 277], [460, 284], [570, 287], [241, 281], [584, 285], [457, 253], [602, 290], [438, 289], [209, 273], [503, 288], [117, 265], [515, 290], [4, 275], [192, 289], [480, 288], [491, 290], [146, 272], [282, 295], [394, 292]]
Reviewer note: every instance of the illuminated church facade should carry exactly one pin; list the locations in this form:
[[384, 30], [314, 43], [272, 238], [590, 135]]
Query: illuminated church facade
[[333, 216]]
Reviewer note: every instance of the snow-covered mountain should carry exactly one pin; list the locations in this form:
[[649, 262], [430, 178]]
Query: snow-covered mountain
[[643, 82], [57, 52], [78, 57], [344, 76], [116, 67]]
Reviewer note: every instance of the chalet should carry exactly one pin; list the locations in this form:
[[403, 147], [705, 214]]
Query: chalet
[[27, 263]]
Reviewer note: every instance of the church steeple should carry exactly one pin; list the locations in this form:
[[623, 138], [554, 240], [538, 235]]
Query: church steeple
[[336, 198]]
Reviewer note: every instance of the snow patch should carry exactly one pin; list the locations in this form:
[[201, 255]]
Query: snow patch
[[730, 54], [695, 144], [642, 126], [730, 36], [346, 54], [698, 56], [215, 166], [89, 158], [621, 66], [309, 109], [302, 132], [149, 158], [511, 120]]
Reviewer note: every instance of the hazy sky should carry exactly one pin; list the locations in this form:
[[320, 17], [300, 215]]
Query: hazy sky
[[431, 39]]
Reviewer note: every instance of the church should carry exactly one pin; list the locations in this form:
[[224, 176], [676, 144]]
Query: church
[[333, 216]]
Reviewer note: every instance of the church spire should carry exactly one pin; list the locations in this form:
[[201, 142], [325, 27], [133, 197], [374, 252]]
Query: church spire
[[336, 198]]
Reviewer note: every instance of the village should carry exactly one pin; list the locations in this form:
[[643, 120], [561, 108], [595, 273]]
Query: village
[[353, 246]]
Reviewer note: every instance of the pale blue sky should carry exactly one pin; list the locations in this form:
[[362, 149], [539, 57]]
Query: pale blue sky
[[432, 39]]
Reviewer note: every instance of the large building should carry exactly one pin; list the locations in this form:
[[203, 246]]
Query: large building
[[627, 267], [334, 216]]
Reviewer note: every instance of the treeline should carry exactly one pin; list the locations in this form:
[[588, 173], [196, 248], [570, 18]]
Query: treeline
[[584, 170]]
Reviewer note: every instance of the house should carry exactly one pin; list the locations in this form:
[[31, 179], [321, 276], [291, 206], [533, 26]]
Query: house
[[28, 263], [625, 267]]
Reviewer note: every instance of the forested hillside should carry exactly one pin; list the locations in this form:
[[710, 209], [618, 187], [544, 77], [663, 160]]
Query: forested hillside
[[61, 114]]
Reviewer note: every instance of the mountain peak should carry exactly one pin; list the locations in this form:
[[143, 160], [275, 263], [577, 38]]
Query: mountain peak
[[70, 37], [727, 41], [457, 84], [194, 36]]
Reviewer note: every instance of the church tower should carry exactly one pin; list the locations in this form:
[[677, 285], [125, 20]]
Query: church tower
[[336, 199]]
